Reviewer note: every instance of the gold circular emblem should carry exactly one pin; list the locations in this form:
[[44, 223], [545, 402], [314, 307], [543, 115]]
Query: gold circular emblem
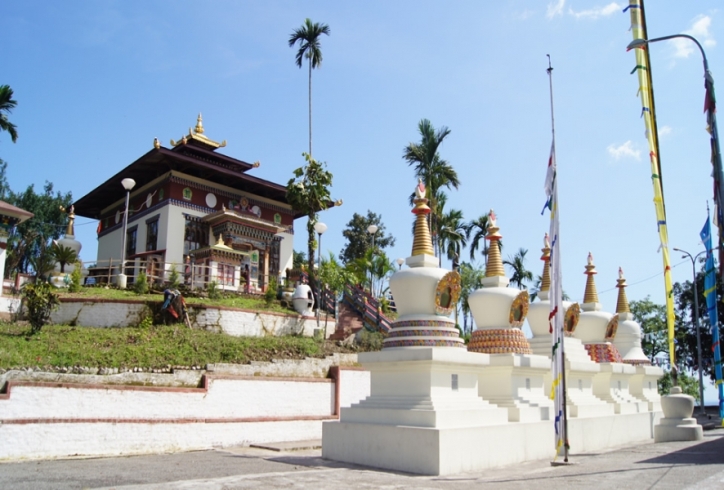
[[611, 328], [570, 321], [447, 293], [519, 309]]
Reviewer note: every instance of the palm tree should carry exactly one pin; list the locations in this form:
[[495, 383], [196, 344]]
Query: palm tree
[[7, 104], [452, 237], [471, 277], [478, 228], [435, 172], [308, 37], [63, 255], [520, 273]]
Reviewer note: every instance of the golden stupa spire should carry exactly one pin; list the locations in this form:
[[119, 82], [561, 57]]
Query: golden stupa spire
[[591, 295], [622, 302], [70, 229], [421, 245], [199, 129], [494, 266], [545, 283]]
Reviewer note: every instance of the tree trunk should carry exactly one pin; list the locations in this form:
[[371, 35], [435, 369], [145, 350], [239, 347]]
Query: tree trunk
[[310, 108], [310, 245]]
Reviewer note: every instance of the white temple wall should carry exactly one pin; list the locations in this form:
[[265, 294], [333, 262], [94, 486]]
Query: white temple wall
[[286, 252]]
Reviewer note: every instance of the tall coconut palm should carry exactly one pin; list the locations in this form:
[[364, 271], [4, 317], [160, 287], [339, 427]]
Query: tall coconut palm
[[308, 36], [478, 228], [435, 172], [520, 273], [451, 233], [7, 104]]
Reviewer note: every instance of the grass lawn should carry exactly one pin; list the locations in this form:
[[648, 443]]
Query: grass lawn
[[152, 347]]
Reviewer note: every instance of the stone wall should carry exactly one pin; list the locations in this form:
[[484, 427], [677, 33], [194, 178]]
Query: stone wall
[[53, 415], [233, 321]]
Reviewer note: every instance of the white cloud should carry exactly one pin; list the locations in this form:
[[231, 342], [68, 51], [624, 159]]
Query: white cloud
[[625, 150], [664, 131], [525, 14], [700, 29], [595, 13], [555, 8]]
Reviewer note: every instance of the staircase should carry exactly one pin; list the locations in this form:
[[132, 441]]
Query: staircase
[[348, 323]]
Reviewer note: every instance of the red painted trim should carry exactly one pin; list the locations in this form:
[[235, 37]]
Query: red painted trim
[[237, 420], [162, 389], [3, 245]]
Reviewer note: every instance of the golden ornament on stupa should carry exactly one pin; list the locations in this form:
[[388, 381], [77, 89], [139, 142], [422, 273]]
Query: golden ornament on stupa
[[590, 295], [422, 244], [622, 302], [545, 283], [494, 266]]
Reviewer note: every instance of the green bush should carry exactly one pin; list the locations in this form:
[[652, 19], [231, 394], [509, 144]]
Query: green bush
[[39, 300], [370, 341], [213, 290], [689, 384], [75, 279], [271, 291], [174, 279], [140, 285]]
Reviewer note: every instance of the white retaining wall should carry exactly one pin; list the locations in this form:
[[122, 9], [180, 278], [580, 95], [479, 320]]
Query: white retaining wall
[[233, 321], [46, 420]]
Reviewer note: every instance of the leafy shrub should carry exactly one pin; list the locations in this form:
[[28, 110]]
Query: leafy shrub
[[140, 286], [75, 279], [271, 291], [174, 279], [370, 341], [213, 290], [40, 301]]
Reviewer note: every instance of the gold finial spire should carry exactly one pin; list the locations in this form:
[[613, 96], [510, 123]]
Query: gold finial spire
[[156, 143], [69, 230], [421, 244], [199, 129], [494, 266], [591, 295], [545, 282], [622, 302]]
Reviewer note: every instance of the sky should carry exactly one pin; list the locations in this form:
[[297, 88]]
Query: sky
[[96, 81]]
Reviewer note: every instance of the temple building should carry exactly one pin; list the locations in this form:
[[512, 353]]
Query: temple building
[[194, 209]]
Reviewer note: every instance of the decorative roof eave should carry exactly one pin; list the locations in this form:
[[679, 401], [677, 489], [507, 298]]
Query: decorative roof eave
[[197, 134], [235, 217], [228, 253], [8, 209]]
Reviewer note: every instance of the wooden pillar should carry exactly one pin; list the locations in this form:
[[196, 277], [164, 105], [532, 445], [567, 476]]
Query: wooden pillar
[[266, 265]]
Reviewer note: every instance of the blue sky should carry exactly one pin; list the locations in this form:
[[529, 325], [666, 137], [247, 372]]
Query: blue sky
[[97, 81]]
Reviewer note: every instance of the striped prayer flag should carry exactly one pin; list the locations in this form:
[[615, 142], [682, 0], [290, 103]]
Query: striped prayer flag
[[713, 314]]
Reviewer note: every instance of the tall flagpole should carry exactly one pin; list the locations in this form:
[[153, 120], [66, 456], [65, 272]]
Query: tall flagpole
[[558, 352]]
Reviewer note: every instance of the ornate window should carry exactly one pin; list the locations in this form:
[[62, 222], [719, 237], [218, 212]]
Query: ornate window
[[152, 234], [196, 234], [225, 276], [187, 193]]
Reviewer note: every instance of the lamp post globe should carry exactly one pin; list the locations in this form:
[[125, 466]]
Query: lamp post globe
[[128, 184], [400, 261]]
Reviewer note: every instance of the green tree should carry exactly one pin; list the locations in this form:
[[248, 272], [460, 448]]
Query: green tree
[[298, 259], [452, 237], [309, 38], [308, 192], [334, 275], [32, 237], [471, 277], [63, 255], [652, 318], [517, 263], [39, 301], [359, 239], [478, 229], [7, 104], [434, 172]]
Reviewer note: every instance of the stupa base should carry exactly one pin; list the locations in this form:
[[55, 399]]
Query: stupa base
[[431, 451], [670, 430]]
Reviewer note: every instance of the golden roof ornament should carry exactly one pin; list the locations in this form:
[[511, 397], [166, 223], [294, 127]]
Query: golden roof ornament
[[545, 283], [156, 143], [197, 134], [421, 244], [494, 266], [622, 302], [590, 295]]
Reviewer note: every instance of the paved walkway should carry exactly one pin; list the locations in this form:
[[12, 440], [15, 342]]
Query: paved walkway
[[676, 465]]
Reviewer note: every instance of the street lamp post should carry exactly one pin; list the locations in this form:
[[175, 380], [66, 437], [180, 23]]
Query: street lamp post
[[695, 314], [710, 108], [127, 184], [400, 261], [320, 228], [372, 230]]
